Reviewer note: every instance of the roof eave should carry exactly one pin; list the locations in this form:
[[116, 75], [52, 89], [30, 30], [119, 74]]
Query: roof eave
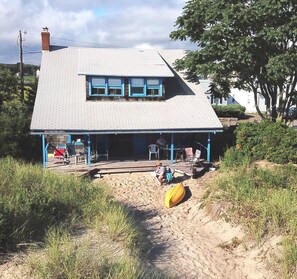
[[149, 131]]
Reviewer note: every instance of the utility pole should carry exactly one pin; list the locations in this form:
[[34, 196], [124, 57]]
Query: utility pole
[[21, 66]]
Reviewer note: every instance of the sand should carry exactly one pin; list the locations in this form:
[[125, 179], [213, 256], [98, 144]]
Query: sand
[[184, 240]]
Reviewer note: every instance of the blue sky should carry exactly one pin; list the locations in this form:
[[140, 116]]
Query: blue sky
[[88, 23]]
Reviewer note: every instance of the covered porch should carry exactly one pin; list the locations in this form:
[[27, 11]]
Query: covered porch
[[130, 147]]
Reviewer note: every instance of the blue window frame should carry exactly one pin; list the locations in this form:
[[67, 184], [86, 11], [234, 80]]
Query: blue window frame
[[137, 87], [97, 86], [145, 87], [103, 86], [115, 87], [153, 87]]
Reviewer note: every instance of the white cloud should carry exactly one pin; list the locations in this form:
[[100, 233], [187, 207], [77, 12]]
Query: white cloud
[[144, 24]]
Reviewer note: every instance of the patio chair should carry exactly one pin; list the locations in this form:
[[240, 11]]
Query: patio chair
[[192, 158], [153, 149], [61, 155], [80, 153]]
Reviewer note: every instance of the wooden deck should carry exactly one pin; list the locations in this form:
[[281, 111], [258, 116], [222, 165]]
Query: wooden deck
[[117, 166]]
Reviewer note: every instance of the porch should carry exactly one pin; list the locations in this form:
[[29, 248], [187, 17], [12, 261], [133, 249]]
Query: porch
[[126, 148]]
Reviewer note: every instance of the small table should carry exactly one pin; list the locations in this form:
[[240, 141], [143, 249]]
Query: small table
[[80, 157], [177, 149]]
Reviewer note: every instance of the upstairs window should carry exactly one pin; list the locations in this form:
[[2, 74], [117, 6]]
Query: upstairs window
[[98, 86], [102, 86], [145, 87], [154, 87], [115, 87], [137, 87]]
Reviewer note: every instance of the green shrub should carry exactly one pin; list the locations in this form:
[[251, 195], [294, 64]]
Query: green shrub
[[229, 110], [267, 140], [234, 158]]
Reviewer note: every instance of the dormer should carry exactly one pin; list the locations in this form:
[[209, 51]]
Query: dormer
[[123, 74]]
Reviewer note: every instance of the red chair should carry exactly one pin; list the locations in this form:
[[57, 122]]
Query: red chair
[[61, 155]]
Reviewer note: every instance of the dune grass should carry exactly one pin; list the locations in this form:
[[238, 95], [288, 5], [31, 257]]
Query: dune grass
[[263, 199], [39, 206]]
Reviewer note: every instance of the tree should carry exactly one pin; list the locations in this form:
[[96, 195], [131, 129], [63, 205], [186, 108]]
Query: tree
[[15, 118], [247, 44], [8, 86]]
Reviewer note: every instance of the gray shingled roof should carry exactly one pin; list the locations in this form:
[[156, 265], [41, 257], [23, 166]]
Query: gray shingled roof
[[121, 62], [61, 104]]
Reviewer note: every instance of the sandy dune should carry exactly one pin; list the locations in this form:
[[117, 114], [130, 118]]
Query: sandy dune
[[184, 240]]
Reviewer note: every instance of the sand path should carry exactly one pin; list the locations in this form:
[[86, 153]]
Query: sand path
[[185, 242]]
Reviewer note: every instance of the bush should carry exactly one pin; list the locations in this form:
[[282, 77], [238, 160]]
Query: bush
[[229, 110], [267, 140]]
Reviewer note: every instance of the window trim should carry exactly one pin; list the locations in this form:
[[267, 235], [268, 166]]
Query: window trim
[[146, 87], [106, 87]]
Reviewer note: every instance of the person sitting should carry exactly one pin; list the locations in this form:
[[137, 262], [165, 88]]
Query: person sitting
[[160, 172], [161, 142]]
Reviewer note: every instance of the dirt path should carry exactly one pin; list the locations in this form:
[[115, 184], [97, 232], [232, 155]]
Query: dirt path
[[184, 241]]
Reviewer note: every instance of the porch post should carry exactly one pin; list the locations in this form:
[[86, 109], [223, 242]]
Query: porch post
[[171, 149], [69, 139], [89, 151], [208, 148], [44, 153]]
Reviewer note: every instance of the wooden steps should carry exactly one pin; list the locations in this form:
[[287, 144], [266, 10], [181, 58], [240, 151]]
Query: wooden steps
[[125, 170]]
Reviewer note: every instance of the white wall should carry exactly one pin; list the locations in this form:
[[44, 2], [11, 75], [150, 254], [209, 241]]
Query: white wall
[[241, 97], [246, 99]]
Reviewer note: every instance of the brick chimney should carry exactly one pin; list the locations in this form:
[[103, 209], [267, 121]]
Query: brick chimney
[[45, 40]]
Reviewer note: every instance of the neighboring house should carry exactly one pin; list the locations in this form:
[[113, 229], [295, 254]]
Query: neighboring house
[[236, 96], [123, 98]]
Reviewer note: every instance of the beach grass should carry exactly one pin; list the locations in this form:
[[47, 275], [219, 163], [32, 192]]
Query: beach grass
[[261, 197], [38, 206]]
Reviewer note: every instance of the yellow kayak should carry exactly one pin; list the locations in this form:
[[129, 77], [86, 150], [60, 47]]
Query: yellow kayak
[[175, 195]]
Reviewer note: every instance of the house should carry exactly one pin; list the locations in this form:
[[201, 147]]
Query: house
[[236, 96], [122, 98]]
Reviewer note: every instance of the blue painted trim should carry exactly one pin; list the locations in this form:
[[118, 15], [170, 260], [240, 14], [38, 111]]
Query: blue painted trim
[[136, 94], [159, 87], [208, 148], [106, 87], [146, 88], [115, 87], [89, 150], [46, 152], [69, 139], [171, 149], [43, 151]]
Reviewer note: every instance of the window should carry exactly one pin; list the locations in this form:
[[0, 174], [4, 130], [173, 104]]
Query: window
[[114, 87], [102, 86], [153, 87], [97, 86], [137, 87], [141, 87]]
